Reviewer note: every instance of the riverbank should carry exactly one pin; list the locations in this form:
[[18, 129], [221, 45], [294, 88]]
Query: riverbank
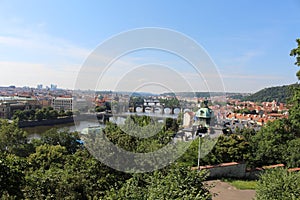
[[46, 122]]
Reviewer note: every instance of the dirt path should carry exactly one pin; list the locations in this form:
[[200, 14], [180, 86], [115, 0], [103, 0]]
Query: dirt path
[[225, 191]]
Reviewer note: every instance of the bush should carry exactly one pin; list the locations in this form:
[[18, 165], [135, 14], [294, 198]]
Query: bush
[[278, 184]]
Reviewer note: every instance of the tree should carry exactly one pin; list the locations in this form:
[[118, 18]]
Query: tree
[[53, 114], [47, 156], [61, 137], [270, 143], [39, 115], [178, 182], [173, 182], [12, 177], [14, 140], [294, 114], [232, 148], [171, 124], [69, 113], [291, 154], [296, 53], [56, 175], [278, 184], [19, 114]]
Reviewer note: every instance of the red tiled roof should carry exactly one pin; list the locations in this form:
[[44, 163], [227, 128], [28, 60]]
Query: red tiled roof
[[273, 166], [294, 169], [215, 166]]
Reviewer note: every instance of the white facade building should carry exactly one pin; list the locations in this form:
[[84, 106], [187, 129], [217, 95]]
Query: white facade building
[[61, 103]]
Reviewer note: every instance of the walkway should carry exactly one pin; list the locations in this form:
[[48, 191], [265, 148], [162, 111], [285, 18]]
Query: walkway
[[225, 191]]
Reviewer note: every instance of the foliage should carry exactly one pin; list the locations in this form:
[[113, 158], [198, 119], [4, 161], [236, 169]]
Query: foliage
[[178, 182], [279, 94], [270, 143], [77, 176], [232, 148], [13, 140], [294, 114], [47, 156], [61, 137], [170, 103], [136, 101], [296, 52], [291, 154], [12, 177], [171, 124], [40, 114], [174, 182], [278, 184]]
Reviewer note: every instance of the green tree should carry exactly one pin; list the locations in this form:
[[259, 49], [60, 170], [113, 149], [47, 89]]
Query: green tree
[[19, 114], [12, 177], [270, 143], [171, 124], [296, 53], [61, 137], [178, 182], [278, 184], [53, 114], [47, 156], [69, 113], [39, 115], [291, 154], [232, 148], [294, 114], [14, 140], [79, 176], [173, 182]]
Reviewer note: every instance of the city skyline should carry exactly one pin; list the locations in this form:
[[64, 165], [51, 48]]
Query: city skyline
[[249, 42]]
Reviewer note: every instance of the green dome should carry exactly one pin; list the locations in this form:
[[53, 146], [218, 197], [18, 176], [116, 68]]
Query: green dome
[[204, 113]]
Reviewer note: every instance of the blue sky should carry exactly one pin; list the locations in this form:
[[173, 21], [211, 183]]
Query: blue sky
[[249, 41]]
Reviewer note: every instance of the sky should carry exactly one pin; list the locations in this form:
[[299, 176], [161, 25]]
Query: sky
[[246, 42]]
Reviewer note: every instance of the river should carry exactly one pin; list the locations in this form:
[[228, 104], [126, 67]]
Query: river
[[36, 132]]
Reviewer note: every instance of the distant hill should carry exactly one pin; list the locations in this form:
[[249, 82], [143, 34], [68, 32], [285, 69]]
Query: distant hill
[[279, 94]]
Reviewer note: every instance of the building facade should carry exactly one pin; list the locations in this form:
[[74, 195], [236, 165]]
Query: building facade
[[61, 103]]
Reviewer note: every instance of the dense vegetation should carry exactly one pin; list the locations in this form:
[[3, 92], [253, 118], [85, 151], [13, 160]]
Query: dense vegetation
[[280, 94], [40, 114], [275, 143], [56, 166], [278, 184]]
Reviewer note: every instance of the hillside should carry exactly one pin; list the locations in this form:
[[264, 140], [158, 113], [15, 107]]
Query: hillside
[[279, 93]]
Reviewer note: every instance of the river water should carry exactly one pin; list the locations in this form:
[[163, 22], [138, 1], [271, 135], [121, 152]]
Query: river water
[[36, 132]]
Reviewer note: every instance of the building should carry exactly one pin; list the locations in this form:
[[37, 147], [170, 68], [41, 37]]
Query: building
[[188, 119], [203, 116], [8, 105], [53, 87], [39, 87], [62, 103]]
